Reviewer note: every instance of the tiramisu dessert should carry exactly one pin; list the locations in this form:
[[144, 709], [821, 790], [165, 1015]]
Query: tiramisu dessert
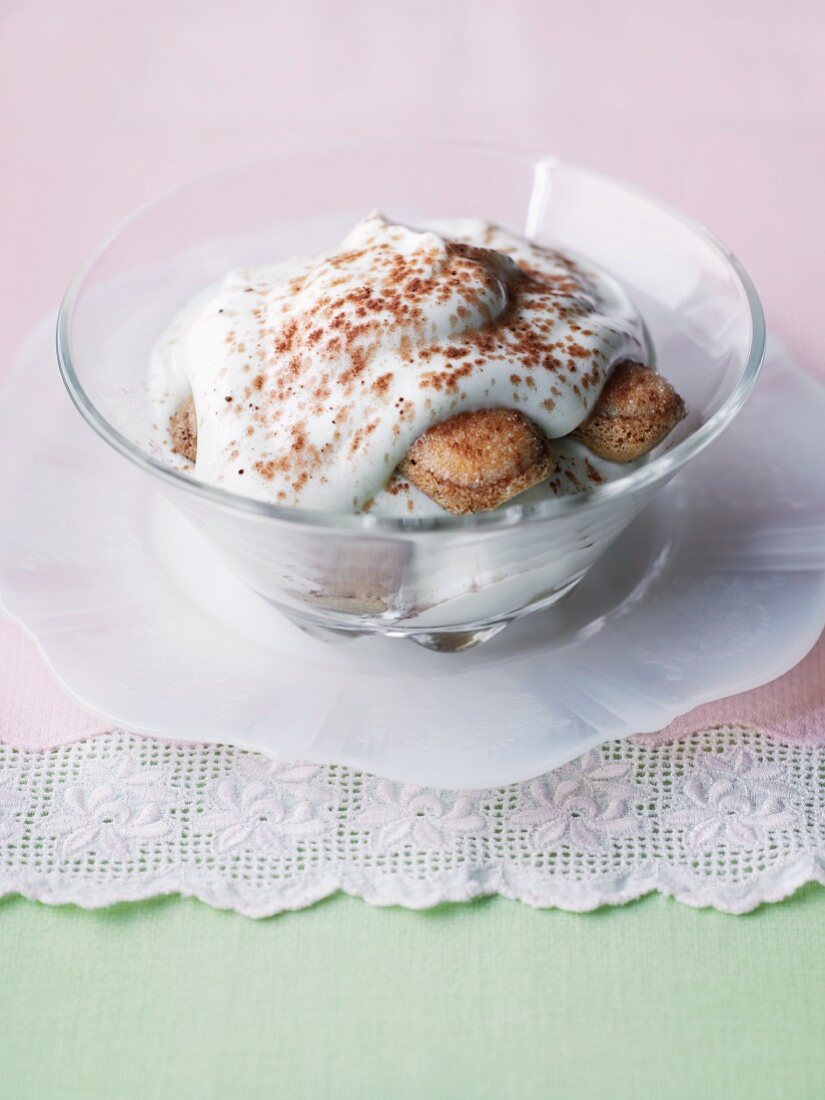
[[448, 367]]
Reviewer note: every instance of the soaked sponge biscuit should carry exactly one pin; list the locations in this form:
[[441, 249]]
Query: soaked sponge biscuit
[[637, 409], [479, 460], [183, 428]]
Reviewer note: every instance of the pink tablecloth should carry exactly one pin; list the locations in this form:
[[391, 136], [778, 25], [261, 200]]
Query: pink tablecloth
[[718, 107]]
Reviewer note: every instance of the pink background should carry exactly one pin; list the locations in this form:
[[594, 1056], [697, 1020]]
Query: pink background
[[717, 106]]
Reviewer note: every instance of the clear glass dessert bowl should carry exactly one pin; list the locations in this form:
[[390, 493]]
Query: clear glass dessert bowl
[[447, 582]]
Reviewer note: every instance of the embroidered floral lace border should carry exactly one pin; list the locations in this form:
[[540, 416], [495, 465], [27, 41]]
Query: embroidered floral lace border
[[727, 818]]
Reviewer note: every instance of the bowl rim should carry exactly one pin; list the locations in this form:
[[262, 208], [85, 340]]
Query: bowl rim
[[364, 522]]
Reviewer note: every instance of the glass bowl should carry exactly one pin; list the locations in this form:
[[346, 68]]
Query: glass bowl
[[446, 582]]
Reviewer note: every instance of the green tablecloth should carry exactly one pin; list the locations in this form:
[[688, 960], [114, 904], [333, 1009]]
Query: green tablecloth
[[169, 998]]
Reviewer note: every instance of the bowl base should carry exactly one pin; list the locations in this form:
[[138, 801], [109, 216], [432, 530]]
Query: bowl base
[[444, 641], [447, 639], [456, 641]]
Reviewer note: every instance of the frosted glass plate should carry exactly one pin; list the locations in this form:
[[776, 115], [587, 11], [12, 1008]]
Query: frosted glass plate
[[717, 587]]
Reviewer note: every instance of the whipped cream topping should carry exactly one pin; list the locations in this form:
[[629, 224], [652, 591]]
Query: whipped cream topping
[[312, 378]]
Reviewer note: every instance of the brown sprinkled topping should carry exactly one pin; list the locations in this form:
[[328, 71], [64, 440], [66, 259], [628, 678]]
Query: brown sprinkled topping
[[352, 352], [592, 472]]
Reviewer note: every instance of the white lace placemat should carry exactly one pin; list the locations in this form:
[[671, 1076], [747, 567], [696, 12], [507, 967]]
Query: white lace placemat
[[728, 818]]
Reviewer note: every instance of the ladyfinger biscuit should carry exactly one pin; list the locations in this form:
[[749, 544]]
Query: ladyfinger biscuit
[[637, 409], [183, 428], [478, 460]]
